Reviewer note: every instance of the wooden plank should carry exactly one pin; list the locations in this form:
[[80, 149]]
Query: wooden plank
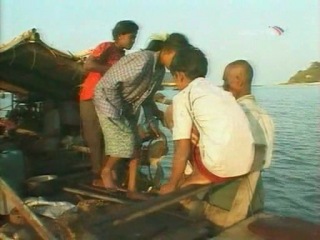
[[156, 204], [26, 213], [240, 230], [12, 88]]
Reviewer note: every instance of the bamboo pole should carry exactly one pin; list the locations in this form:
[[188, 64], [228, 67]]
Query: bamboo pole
[[27, 214], [94, 195]]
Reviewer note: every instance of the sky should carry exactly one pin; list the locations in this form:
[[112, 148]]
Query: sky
[[226, 30]]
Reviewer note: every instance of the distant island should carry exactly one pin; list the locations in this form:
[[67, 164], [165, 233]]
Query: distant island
[[310, 75]]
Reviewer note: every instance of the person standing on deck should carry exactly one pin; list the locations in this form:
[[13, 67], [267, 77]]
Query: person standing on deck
[[237, 79], [129, 84], [100, 60], [225, 141]]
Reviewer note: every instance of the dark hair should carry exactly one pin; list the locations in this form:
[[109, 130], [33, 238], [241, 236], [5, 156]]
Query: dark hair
[[176, 41], [191, 61], [155, 45], [247, 68], [124, 27]]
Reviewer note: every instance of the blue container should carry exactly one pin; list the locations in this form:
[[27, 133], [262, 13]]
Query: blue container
[[12, 170]]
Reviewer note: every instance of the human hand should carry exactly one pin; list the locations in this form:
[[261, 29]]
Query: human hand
[[154, 128]]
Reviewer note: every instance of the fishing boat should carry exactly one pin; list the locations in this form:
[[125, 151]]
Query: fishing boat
[[60, 202]]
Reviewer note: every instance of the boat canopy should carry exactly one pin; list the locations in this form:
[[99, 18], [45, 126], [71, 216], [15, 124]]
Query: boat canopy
[[29, 65]]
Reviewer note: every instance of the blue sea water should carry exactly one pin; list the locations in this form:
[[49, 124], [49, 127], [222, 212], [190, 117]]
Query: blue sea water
[[292, 183]]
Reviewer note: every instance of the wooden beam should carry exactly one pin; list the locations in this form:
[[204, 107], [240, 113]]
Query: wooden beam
[[159, 203], [12, 88], [26, 213]]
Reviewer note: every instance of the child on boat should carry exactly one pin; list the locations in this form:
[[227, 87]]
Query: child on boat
[[225, 145], [100, 60]]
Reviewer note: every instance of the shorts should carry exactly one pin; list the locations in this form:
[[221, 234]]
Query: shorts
[[197, 162], [120, 136]]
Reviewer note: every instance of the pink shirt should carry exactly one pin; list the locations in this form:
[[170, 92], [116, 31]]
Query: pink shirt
[[111, 54]]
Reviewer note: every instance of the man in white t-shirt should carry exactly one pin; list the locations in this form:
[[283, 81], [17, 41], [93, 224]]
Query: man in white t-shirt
[[225, 145], [237, 79]]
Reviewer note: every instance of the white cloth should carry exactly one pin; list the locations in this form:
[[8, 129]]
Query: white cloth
[[159, 36], [261, 124], [226, 143]]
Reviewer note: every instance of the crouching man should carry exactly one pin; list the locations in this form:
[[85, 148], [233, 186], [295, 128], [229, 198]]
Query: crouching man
[[225, 148]]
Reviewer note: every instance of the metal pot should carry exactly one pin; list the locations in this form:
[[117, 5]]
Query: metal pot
[[42, 185]]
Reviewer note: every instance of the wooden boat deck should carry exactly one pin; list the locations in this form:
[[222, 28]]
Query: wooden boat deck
[[240, 231]]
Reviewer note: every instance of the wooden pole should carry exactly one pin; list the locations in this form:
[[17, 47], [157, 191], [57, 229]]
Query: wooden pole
[[94, 195], [26, 213]]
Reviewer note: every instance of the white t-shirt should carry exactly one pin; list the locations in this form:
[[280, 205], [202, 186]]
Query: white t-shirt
[[226, 143], [261, 124]]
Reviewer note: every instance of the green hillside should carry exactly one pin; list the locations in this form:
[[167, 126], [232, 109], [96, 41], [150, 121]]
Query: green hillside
[[310, 75]]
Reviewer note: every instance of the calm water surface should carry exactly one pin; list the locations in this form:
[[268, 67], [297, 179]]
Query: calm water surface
[[292, 183]]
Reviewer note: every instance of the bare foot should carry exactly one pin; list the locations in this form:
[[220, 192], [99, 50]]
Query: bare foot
[[195, 179], [97, 182], [107, 179]]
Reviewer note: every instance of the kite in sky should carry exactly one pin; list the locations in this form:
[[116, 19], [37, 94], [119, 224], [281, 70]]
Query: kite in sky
[[279, 31]]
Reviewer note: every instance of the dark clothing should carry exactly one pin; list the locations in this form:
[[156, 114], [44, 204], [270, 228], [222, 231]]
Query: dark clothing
[[92, 134]]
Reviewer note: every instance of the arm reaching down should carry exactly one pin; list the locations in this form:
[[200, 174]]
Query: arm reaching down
[[181, 156]]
